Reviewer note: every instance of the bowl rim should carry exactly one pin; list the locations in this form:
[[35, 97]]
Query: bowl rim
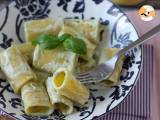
[[136, 79]]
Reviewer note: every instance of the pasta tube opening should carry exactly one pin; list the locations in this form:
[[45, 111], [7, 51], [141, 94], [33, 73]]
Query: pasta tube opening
[[35, 99], [58, 101], [59, 79], [38, 109], [62, 107], [67, 85]]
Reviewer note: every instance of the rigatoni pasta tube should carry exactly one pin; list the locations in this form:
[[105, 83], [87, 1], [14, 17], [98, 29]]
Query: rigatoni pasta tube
[[88, 30], [113, 79], [59, 102], [16, 69], [108, 53], [35, 99], [41, 75], [51, 60], [67, 85], [26, 50], [34, 28]]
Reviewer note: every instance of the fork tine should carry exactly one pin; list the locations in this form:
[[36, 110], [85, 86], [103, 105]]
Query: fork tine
[[86, 79], [87, 82], [83, 77], [93, 76], [83, 74]]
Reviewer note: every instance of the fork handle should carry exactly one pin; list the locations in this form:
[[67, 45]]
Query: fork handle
[[140, 40]]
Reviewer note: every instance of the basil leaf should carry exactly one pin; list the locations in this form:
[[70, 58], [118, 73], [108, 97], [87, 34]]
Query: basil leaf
[[48, 41], [75, 45], [69, 42], [65, 36], [34, 42]]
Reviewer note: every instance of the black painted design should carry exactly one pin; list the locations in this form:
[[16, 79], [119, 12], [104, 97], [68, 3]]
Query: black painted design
[[100, 98], [129, 61], [15, 102], [76, 17], [104, 22], [95, 118], [98, 1], [54, 116], [93, 89], [127, 76], [3, 87], [135, 49], [58, 115], [30, 9], [92, 18], [84, 111], [139, 64], [124, 39], [6, 41], [80, 109], [119, 91], [4, 84], [64, 4], [79, 6], [2, 103], [113, 11], [114, 33], [18, 24], [30, 117], [12, 114], [5, 18], [33, 9]]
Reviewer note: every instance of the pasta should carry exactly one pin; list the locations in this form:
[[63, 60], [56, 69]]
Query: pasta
[[34, 28], [41, 75], [108, 53], [51, 60], [87, 30], [35, 99], [59, 102], [65, 84], [83, 65], [115, 76], [16, 69], [26, 50], [44, 73]]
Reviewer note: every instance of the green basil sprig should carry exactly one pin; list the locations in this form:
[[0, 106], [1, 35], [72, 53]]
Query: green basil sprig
[[65, 36], [75, 45], [47, 41], [69, 42]]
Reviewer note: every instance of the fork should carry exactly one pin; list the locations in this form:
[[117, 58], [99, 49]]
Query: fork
[[104, 70]]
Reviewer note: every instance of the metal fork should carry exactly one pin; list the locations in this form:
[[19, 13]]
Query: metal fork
[[104, 70]]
